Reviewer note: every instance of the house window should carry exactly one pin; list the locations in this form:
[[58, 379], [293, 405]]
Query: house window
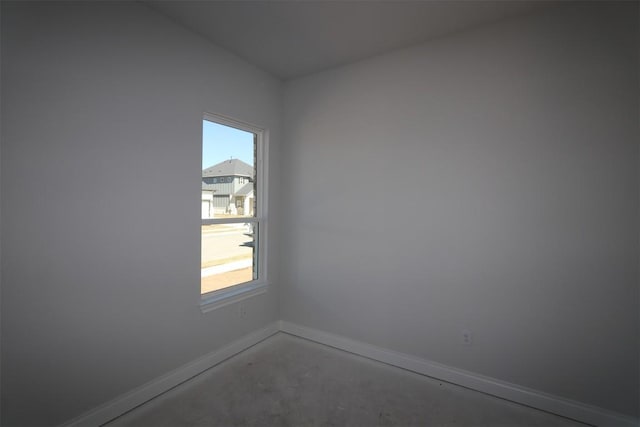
[[232, 260]]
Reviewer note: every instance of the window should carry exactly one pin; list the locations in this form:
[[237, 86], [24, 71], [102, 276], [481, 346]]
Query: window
[[232, 260]]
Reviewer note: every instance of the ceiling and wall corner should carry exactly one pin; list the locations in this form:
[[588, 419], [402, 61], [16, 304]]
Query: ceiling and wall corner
[[291, 39]]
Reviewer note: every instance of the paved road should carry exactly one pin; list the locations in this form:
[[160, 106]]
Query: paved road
[[226, 245]]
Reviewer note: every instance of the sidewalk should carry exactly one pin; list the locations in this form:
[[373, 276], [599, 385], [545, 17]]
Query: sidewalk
[[222, 228], [223, 268]]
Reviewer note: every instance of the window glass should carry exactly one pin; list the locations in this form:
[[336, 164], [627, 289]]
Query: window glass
[[230, 221]]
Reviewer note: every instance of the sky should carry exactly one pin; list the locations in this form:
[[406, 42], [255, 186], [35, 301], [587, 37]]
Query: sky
[[221, 142]]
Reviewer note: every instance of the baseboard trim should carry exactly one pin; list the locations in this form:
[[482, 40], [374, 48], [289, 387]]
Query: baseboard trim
[[128, 401], [515, 393]]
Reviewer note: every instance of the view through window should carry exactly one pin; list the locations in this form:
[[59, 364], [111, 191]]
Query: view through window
[[230, 217]]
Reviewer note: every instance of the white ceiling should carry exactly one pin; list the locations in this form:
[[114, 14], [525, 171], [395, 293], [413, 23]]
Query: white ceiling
[[293, 38]]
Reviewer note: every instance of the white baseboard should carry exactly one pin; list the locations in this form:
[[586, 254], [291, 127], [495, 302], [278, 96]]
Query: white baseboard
[[515, 393], [126, 402]]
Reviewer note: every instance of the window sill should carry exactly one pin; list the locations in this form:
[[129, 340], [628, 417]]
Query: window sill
[[217, 299]]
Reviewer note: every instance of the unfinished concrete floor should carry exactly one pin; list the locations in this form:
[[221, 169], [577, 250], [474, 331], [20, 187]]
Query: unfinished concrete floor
[[289, 381]]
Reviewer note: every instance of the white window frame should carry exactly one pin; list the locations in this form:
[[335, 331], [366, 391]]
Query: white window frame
[[235, 293]]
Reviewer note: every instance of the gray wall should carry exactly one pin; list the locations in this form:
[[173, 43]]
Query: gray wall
[[517, 145], [102, 105]]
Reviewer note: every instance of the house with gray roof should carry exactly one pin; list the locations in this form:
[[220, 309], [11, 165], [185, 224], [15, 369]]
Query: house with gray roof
[[228, 188]]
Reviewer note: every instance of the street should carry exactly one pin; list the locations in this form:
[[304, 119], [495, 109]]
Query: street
[[222, 247], [224, 261]]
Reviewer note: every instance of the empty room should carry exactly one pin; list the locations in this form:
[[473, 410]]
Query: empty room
[[412, 213]]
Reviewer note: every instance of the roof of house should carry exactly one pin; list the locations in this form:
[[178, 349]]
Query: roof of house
[[231, 167], [246, 190]]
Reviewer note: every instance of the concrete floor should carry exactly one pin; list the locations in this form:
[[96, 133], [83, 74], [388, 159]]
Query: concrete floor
[[289, 381]]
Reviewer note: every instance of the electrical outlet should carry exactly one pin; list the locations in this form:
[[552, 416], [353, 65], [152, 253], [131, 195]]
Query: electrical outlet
[[242, 310], [467, 337]]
